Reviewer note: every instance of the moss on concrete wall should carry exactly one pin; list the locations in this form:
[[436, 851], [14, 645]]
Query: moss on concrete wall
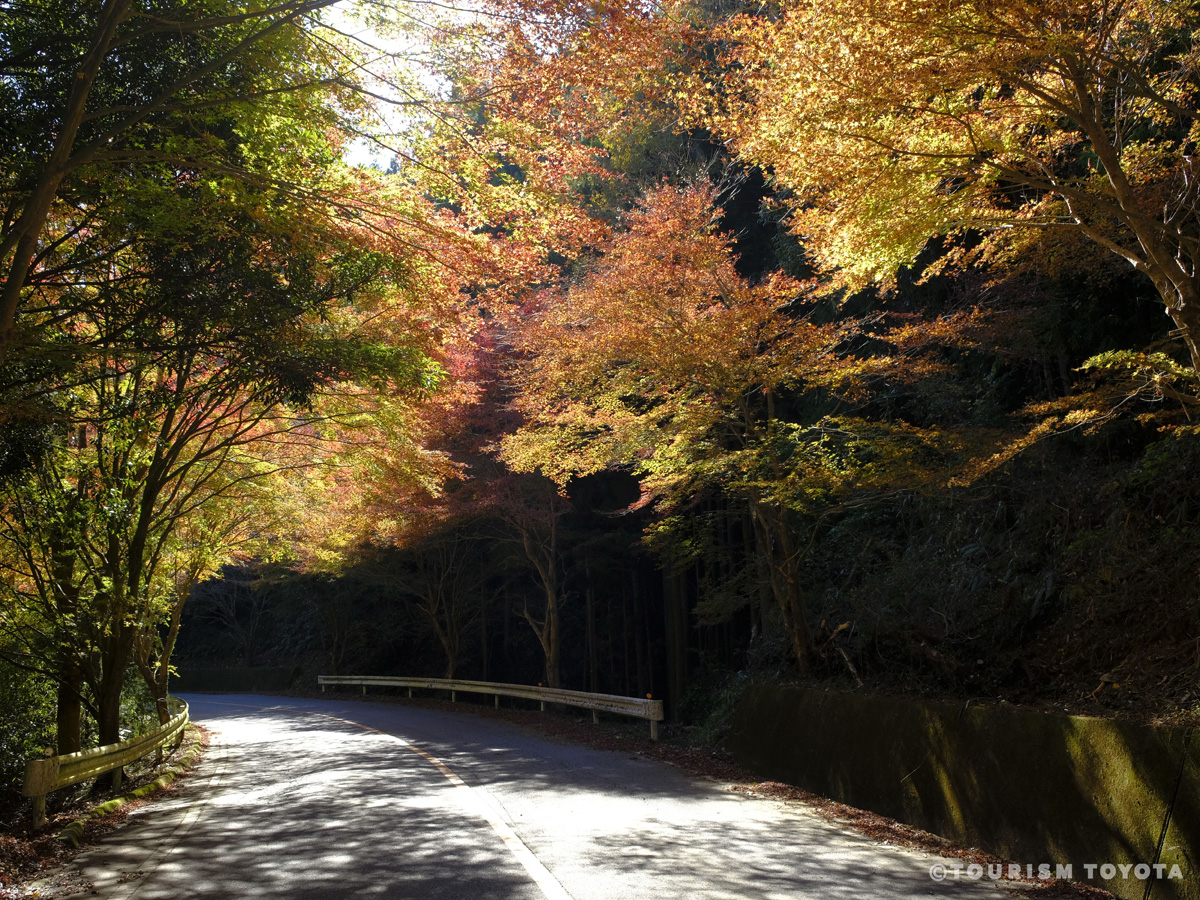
[[1032, 787]]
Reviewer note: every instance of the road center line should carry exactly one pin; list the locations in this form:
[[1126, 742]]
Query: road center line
[[541, 876]]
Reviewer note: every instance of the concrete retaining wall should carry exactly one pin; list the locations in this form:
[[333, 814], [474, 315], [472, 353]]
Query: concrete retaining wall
[[1032, 787], [235, 681]]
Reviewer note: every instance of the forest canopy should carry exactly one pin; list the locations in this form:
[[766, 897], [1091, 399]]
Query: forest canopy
[[671, 341]]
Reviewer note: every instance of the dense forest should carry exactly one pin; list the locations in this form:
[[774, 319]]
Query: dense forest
[[657, 347]]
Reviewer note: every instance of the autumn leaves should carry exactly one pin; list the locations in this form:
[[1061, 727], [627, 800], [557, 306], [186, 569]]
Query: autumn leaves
[[546, 286], [902, 138]]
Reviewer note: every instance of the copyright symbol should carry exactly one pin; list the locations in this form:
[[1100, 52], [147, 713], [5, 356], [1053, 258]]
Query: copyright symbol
[[937, 872]]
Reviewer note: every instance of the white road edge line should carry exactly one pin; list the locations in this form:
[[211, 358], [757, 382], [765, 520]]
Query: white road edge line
[[546, 882], [127, 891], [539, 873], [180, 831]]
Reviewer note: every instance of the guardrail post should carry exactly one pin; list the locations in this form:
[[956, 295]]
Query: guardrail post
[[45, 775], [543, 705], [40, 778], [497, 701], [410, 693], [654, 729], [595, 717], [454, 696], [364, 690]]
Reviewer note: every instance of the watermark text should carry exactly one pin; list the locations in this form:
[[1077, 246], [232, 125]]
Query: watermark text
[[1107, 871]]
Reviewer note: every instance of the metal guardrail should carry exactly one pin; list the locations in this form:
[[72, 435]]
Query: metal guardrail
[[597, 703], [45, 775]]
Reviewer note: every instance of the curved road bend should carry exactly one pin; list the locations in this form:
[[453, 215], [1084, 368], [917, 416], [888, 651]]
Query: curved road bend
[[331, 799]]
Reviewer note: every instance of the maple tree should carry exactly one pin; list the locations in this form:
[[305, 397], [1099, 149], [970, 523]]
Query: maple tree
[[196, 359], [218, 343], [530, 511], [401, 501], [894, 121], [662, 358], [421, 500], [264, 94], [232, 521], [83, 89], [440, 566], [429, 508]]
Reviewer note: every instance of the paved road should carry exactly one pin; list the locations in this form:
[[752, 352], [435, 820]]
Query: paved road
[[323, 799]]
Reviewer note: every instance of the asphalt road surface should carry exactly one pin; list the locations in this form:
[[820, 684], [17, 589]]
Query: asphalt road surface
[[323, 799]]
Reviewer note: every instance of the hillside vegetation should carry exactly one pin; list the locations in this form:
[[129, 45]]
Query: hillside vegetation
[[664, 346]]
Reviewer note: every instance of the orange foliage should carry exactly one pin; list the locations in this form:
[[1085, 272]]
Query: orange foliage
[[895, 120], [659, 347]]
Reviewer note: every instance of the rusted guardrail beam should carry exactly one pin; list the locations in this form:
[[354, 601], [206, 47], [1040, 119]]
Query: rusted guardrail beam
[[626, 706]]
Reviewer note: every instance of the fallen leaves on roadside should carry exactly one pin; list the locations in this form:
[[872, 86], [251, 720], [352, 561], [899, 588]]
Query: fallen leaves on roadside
[[25, 854], [889, 831]]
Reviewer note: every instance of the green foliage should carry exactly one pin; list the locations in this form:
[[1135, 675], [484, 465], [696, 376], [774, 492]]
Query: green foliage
[[27, 722], [214, 293], [215, 70], [711, 701], [1153, 376]]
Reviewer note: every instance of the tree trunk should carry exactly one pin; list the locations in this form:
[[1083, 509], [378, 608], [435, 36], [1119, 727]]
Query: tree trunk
[[1165, 258], [484, 649], [152, 674], [627, 644], [443, 631], [115, 655], [26, 234], [162, 668], [797, 608], [553, 642], [675, 624], [1186, 316], [70, 712], [156, 673], [506, 634], [542, 554], [777, 547], [593, 650], [641, 651], [70, 674], [610, 621]]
